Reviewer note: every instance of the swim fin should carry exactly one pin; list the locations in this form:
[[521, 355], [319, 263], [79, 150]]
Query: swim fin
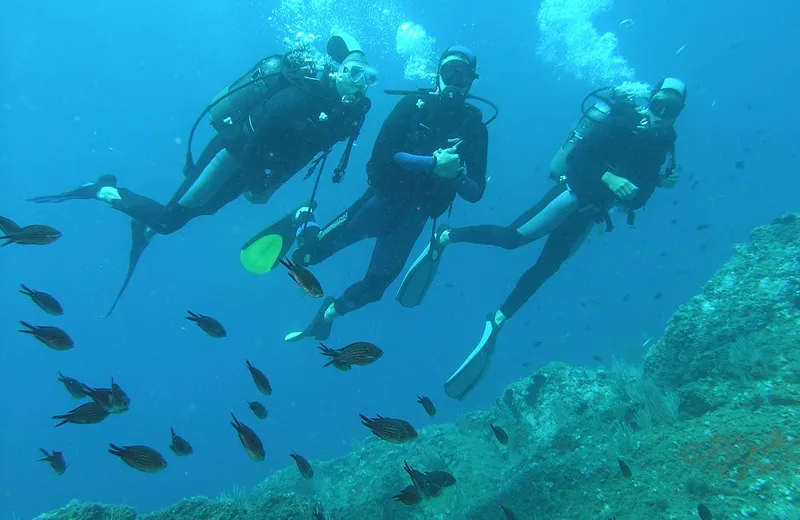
[[420, 275], [319, 328], [469, 374], [86, 191], [139, 242], [262, 253]]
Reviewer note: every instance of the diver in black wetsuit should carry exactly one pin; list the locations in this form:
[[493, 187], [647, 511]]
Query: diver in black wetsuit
[[432, 147], [270, 123], [616, 156]]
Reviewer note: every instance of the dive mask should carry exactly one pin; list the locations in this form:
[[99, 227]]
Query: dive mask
[[358, 74], [665, 105], [457, 73]]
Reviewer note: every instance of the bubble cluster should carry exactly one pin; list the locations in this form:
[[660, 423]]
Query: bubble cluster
[[380, 26], [571, 42]]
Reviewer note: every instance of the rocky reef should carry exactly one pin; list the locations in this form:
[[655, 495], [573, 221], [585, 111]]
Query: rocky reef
[[711, 417]]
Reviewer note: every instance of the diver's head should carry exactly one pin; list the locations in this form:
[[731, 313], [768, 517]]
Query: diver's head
[[354, 75], [456, 72], [666, 102]]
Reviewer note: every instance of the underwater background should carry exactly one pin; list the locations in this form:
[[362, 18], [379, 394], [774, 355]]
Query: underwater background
[[98, 87]]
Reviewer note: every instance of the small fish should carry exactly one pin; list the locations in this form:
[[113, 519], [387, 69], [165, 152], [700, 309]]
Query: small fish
[[409, 496], [427, 404], [209, 325], [250, 441], [143, 458], [627, 22], [424, 485], [442, 479], [53, 337], [261, 381], [396, 431], [44, 301], [673, 221], [87, 413], [597, 358], [626, 471], [34, 235], [694, 185], [702, 227], [112, 400], [500, 433], [303, 465], [676, 202], [360, 353], [317, 513], [739, 165], [56, 460], [509, 513], [658, 296], [625, 298], [303, 277], [537, 344], [680, 50], [704, 512], [179, 445], [73, 386], [258, 409]]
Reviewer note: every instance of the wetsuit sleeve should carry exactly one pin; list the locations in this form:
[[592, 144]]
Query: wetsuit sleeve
[[475, 151], [415, 163]]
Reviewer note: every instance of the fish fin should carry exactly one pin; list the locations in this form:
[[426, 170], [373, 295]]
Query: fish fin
[[172, 431], [25, 290], [286, 263], [63, 422]]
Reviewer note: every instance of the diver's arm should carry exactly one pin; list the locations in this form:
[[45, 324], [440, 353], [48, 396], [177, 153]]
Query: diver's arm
[[472, 183]]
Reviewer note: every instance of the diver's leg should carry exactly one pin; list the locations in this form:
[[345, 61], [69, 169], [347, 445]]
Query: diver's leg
[[354, 224], [557, 204], [387, 262], [561, 243], [217, 179]]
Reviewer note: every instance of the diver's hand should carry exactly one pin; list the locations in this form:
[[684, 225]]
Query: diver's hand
[[670, 180], [619, 186], [448, 163]]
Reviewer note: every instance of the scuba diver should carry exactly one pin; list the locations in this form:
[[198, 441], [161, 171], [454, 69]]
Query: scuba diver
[[432, 147], [269, 124], [620, 151]]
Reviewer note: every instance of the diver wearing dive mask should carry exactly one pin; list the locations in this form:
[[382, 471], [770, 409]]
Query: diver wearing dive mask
[[354, 77], [457, 72]]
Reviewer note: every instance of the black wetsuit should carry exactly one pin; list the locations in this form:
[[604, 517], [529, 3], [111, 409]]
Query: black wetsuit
[[636, 155], [282, 135], [402, 193]]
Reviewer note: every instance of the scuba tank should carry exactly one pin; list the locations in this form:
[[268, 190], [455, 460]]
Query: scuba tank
[[233, 104], [236, 101], [613, 108]]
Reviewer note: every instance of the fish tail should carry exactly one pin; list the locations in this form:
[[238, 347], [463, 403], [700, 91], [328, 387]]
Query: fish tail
[[235, 422], [172, 431], [286, 263], [9, 240], [192, 316], [63, 422], [115, 450], [46, 455], [25, 290], [31, 327], [366, 421]]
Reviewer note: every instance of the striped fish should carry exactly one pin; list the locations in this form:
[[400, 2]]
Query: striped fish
[[87, 413], [35, 235], [143, 458], [396, 431], [53, 337], [303, 277], [360, 353], [250, 441]]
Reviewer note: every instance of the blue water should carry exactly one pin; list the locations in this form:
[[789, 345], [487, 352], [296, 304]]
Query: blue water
[[98, 87]]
